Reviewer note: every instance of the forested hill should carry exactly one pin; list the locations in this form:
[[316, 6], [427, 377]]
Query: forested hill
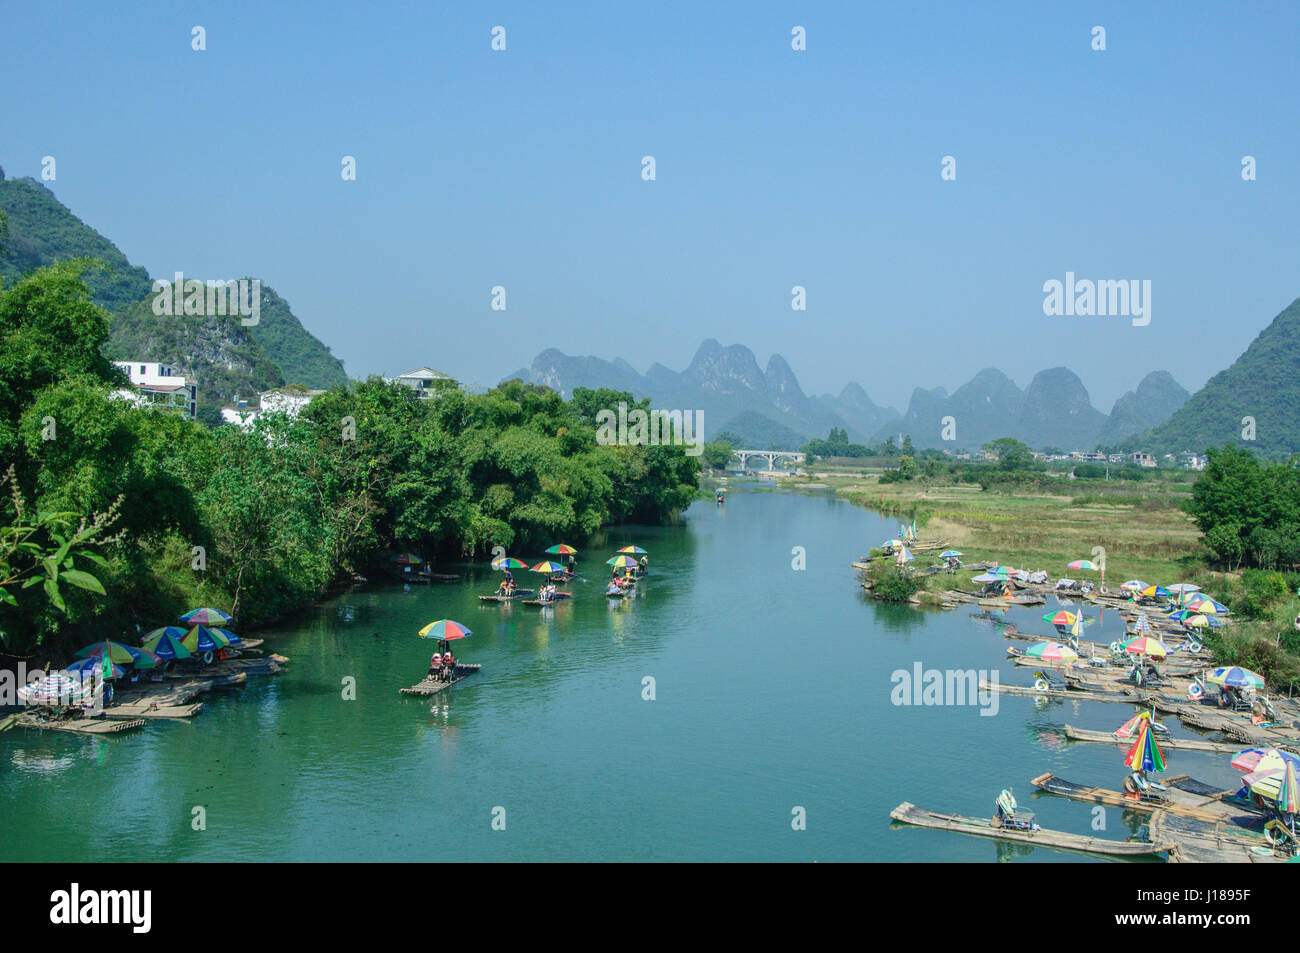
[[41, 231], [1252, 403]]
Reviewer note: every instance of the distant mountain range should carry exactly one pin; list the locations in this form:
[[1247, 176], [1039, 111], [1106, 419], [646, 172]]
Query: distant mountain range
[[768, 409], [225, 357]]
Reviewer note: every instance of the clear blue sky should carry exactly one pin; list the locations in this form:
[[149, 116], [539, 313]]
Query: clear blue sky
[[775, 168]]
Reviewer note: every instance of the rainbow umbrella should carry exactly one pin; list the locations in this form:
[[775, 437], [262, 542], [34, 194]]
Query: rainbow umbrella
[[1145, 754], [167, 642], [1155, 592], [1145, 645], [1130, 727], [905, 556], [119, 654], [1205, 604], [1264, 759], [1143, 625], [621, 562], [1133, 585], [509, 562], [951, 553], [228, 636], [1060, 617], [57, 688], [1196, 621], [633, 549], [1051, 650], [87, 666], [202, 639], [1183, 588], [548, 566], [445, 630], [1084, 564], [206, 617], [405, 559], [562, 549], [1288, 792], [1232, 676], [1270, 771]]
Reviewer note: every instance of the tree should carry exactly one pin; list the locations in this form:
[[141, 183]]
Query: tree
[[1011, 454], [716, 454], [908, 449]]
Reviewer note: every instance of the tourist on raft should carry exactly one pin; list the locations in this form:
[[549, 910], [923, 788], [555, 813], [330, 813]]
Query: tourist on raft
[[435, 666], [448, 665]]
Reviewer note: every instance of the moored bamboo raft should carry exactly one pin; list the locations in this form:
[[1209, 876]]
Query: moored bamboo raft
[[1184, 744], [1185, 796], [85, 726], [1234, 726], [909, 813], [1068, 694], [558, 598], [431, 686], [517, 594], [1200, 842]]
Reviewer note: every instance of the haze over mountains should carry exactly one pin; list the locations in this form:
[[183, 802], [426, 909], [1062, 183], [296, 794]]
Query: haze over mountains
[[768, 409]]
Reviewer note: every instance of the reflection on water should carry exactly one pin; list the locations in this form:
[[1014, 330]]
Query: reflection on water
[[772, 690]]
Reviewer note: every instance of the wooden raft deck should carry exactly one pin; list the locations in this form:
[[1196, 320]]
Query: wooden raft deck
[[1196, 842], [1068, 694], [429, 686], [1182, 744], [85, 726], [909, 813], [1197, 803]]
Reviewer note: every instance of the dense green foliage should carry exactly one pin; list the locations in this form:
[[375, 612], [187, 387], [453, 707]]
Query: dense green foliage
[[262, 521], [889, 583], [1249, 511]]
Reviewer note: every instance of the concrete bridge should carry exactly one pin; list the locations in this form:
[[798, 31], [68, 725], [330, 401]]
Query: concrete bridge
[[771, 456]]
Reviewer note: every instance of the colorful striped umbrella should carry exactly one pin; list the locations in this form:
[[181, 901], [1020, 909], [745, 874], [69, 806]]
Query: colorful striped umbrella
[[621, 562], [228, 636], [202, 639], [1145, 645], [1051, 650], [1130, 727], [119, 654], [1200, 603], [57, 688], [90, 666], [950, 553], [1060, 617], [406, 559], [1155, 592], [562, 549], [1270, 773], [1145, 754], [1143, 625], [1183, 588], [167, 642], [1233, 676], [1133, 585], [905, 556], [206, 617], [548, 567], [1196, 621], [633, 549], [1266, 759], [1084, 564], [445, 630], [509, 562]]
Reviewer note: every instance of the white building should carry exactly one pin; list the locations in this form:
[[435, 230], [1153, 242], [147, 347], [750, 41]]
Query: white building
[[158, 386], [290, 402], [425, 381]]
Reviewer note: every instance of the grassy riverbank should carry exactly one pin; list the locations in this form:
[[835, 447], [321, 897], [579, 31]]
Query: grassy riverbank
[[1142, 527]]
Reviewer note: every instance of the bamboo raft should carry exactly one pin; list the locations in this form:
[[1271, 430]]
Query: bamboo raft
[[1200, 842], [1069, 694], [1185, 797], [1234, 726], [517, 594], [909, 813], [1185, 744], [431, 686], [559, 597], [85, 726]]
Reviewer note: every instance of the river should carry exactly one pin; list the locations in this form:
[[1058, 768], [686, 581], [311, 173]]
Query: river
[[772, 701]]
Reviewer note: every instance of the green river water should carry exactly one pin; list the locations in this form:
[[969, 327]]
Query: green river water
[[773, 692]]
